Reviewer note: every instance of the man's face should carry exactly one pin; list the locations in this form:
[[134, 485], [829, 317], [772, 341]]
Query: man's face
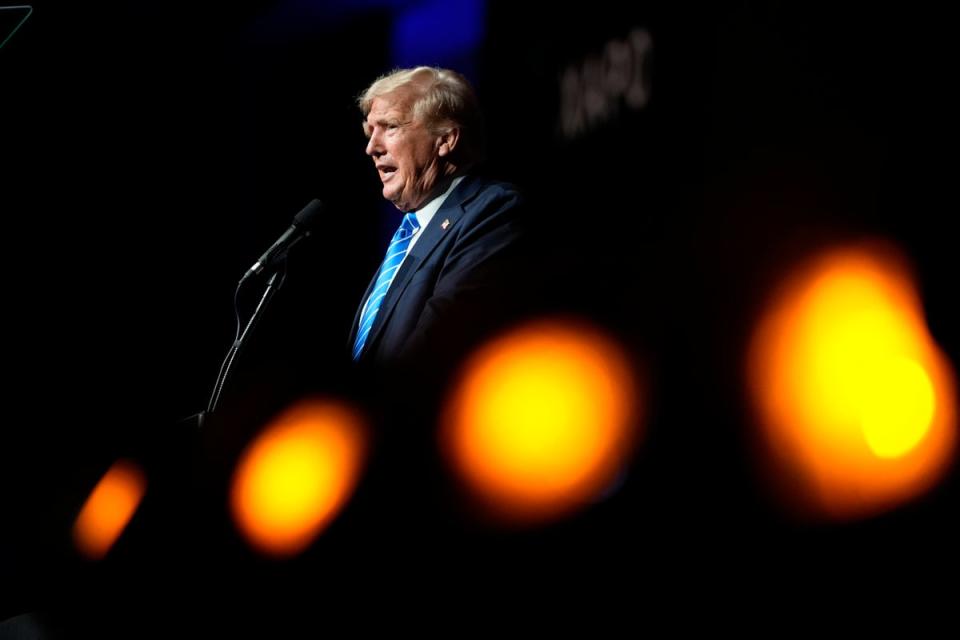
[[405, 153]]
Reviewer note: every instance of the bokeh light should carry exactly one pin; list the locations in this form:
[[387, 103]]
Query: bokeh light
[[108, 509], [297, 475], [856, 402], [542, 421]]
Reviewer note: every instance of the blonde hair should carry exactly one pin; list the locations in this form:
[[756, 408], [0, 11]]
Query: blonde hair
[[445, 98]]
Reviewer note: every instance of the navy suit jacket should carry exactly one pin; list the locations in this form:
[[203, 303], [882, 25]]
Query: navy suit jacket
[[457, 269]]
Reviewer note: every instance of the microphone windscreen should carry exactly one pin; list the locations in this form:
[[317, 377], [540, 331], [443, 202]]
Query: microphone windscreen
[[308, 216]]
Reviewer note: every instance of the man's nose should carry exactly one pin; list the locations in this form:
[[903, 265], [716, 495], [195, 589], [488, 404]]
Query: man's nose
[[374, 146]]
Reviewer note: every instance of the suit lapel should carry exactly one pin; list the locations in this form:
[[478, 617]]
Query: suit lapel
[[452, 211]]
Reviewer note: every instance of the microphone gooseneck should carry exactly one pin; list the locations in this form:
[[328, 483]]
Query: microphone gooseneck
[[299, 229]]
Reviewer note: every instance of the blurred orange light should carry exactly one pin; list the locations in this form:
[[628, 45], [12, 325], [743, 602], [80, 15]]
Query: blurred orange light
[[297, 475], [542, 420], [109, 509], [855, 399]]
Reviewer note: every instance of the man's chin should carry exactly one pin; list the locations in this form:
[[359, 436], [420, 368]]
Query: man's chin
[[394, 199]]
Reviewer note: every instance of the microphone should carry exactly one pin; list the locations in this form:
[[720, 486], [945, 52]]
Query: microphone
[[299, 229]]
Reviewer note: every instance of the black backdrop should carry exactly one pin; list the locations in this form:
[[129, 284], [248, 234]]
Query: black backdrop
[[151, 152]]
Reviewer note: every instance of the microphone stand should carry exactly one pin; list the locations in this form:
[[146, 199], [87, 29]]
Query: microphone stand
[[274, 283], [275, 255]]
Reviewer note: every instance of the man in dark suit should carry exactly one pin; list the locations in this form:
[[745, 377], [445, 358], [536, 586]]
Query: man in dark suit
[[454, 274], [450, 272]]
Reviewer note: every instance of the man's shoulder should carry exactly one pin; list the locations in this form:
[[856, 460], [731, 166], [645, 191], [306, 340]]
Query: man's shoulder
[[485, 183], [485, 194]]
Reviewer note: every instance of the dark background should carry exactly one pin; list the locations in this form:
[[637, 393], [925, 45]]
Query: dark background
[[151, 151]]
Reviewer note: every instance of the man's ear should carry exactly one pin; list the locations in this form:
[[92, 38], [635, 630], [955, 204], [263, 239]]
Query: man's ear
[[447, 142]]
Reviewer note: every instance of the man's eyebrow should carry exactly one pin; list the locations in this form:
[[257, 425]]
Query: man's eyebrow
[[382, 122]]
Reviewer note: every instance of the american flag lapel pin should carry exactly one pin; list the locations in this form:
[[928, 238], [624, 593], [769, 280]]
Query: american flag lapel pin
[[445, 224]]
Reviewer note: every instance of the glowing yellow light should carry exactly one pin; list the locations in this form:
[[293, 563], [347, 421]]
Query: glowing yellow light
[[542, 420], [854, 398], [297, 475], [109, 509], [898, 413]]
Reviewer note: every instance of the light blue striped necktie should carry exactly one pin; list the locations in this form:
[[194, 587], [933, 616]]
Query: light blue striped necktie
[[388, 270]]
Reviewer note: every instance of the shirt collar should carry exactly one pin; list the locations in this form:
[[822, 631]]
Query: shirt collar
[[425, 215]]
